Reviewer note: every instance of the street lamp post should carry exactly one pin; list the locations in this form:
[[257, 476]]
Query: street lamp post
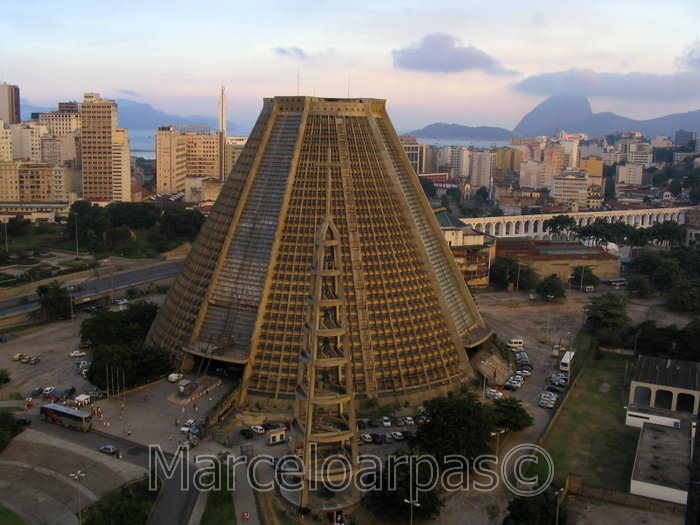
[[412, 503], [558, 496], [77, 475]]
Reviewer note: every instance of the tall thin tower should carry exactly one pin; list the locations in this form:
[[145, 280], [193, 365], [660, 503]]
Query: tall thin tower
[[223, 110], [243, 293]]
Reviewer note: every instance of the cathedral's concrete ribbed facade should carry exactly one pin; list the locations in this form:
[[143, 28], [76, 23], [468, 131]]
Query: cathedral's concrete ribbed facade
[[243, 294]]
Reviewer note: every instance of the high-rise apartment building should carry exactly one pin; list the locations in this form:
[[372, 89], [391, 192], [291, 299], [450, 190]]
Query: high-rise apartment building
[[532, 175], [555, 159], [415, 151], [5, 143], [103, 148], [183, 151], [9, 104], [482, 169], [30, 182], [594, 167], [26, 141], [61, 122], [323, 203]]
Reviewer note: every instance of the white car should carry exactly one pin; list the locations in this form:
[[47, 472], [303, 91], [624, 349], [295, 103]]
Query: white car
[[257, 429], [408, 420], [77, 353], [366, 438], [545, 403], [492, 393], [121, 301], [386, 421], [398, 436], [524, 373], [48, 390]]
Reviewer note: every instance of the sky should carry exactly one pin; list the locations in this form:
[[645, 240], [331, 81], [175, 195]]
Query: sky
[[466, 62]]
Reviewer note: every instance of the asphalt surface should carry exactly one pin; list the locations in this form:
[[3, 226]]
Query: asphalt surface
[[97, 285], [174, 505]]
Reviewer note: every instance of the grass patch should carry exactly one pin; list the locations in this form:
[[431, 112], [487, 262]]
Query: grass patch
[[128, 505], [7, 517], [9, 410], [219, 508], [590, 438]]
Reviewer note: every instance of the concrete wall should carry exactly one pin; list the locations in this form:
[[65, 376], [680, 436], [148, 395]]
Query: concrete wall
[[642, 488]]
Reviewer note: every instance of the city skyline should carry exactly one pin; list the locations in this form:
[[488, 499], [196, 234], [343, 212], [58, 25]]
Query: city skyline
[[454, 62]]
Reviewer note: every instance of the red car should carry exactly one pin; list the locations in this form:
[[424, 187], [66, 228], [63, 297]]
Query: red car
[[85, 345]]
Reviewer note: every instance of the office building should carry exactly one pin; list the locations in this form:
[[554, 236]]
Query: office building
[[415, 151], [482, 167], [570, 187], [5, 143], [323, 173], [9, 104], [103, 148], [186, 151]]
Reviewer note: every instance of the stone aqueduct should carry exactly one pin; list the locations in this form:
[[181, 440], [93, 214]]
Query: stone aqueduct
[[533, 225]]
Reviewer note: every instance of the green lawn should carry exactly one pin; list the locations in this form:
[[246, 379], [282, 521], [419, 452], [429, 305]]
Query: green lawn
[[7, 517], [590, 438], [219, 508]]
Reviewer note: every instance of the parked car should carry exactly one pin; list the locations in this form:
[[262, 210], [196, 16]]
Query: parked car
[[366, 438], [19, 356], [549, 395], [48, 390], [407, 434], [386, 421], [109, 449], [85, 345], [398, 436], [257, 429], [545, 403], [408, 420], [373, 423], [524, 372], [36, 392], [34, 360], [525, 366], [361, 424], [23, 421], [247, 433], [556, 389], [388, 438], [510, 386], [494, 394], [77, 353], [377, 439]]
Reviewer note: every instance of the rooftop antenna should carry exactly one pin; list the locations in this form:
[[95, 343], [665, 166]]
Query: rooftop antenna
[[222, 111]]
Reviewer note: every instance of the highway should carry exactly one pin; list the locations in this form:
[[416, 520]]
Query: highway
[[97, 285], [174, 505]]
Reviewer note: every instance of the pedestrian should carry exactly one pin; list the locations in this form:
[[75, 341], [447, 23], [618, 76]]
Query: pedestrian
[[183, 409], [128, 432], [196, 409], [170, 437]]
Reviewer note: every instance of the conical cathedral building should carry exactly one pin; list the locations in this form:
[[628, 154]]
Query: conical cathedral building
[[245, 291]]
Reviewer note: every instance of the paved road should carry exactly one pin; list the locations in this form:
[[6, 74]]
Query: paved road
[[85, 290], [174, 505]]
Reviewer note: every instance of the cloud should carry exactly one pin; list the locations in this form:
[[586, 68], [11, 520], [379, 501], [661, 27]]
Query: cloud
[[648, 86], [441, 53], [129, 92], [691, 57], [291, 52]]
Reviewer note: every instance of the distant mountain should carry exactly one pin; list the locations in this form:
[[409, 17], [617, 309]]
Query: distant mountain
[[139, 115], [459, 132], [573, 114], [551, 114]]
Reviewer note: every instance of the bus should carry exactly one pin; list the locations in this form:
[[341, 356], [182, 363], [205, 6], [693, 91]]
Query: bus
[[67, 417], [616, 283], [567, 362]]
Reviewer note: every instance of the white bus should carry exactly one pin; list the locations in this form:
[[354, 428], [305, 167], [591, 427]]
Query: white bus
[[567, 362]]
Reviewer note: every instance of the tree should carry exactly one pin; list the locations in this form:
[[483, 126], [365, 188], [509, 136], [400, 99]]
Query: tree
[[641, 286], [54, 301], [459, 424], [585, 272], [607, 311], [137, 364], [560, 224], [537, 510], [507, 270], [685, 296], [454, 194], [18, 226], [551, 288], [509, 414], [482, 194], [388, 502], [179, 223], [126, 327], [428, 186]]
